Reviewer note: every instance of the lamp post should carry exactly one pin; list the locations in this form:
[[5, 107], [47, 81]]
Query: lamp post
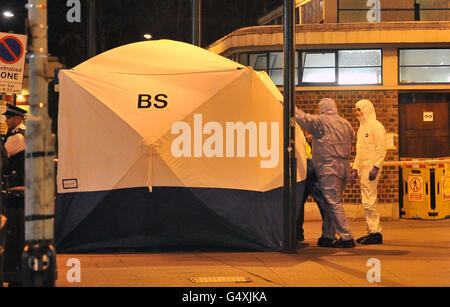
[[196, 22], [92, 47], [39, 257], [290, 164]]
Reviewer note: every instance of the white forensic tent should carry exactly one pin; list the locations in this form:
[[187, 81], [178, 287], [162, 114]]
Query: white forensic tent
[[164, 144]]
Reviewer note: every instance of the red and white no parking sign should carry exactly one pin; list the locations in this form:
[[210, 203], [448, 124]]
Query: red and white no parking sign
[[12, 62]]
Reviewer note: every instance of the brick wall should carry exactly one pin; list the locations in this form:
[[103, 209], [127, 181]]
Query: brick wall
[[386, 107]]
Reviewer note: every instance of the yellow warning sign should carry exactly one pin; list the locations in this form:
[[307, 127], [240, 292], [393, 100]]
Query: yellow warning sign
[[415, 185], [446, 188]]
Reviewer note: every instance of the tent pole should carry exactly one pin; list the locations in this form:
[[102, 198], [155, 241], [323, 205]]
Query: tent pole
[[197, 22], [290, 164], [39, 257]]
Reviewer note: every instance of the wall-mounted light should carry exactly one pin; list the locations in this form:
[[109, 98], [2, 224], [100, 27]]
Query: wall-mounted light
[[147, 36]]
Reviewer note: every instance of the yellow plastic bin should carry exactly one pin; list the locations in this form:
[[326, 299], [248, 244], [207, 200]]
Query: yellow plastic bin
[[426, 191], [416, 192]]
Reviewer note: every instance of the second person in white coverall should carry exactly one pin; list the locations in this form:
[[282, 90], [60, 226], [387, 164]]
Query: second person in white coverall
[[370, 155]]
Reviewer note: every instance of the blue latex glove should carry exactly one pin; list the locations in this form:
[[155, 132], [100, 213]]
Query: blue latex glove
[[353, 176], [373, 173]]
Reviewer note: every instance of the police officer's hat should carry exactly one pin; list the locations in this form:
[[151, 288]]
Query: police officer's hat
[[12, 110]]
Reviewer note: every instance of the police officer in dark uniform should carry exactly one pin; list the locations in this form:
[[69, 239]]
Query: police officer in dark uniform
[[15, 145], [12, 234]]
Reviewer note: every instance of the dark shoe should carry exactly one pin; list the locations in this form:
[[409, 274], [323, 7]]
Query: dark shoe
[[325, 242], [343, 243], [362, 239], [373, 238]]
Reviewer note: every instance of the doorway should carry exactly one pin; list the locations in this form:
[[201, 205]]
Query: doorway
[[424, 125]]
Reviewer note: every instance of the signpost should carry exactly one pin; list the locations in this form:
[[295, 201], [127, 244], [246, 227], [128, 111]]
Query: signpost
[[12, 66]]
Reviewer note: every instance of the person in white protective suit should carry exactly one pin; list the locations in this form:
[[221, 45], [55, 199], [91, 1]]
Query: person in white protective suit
[[370, 154], [331, 151]]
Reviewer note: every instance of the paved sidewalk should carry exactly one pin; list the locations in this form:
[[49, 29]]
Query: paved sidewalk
[[415, 253]]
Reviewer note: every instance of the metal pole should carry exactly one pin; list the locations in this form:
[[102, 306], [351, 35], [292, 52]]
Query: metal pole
[[39, 258], [290, 164], [92, 47], [196, 22]]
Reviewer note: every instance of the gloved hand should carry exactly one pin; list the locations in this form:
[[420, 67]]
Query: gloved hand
[[353, 176], [373, 173]]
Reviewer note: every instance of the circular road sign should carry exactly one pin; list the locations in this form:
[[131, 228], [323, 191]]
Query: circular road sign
[[11, 50], [415, 184]]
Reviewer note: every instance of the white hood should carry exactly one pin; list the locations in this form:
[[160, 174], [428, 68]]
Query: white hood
[[367, 110]]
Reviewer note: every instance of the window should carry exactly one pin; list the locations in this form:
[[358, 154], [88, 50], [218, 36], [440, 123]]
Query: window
[[424, 66], [388, 10], [434, 10], [342, 67], [336, 67], [243, 59], [319, 67], [276, 64], [259, 61], [359, 67], [270, 62]]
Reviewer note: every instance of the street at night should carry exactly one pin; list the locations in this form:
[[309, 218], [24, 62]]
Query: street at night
[[225, 149]]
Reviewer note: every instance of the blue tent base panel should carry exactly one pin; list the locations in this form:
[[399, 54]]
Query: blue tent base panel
[[170, 219]]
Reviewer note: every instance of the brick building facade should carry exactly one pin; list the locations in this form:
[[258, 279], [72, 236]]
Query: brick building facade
[[402, 67], [386, 107]]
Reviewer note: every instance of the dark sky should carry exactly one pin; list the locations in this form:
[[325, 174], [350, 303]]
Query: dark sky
[[125, 21]]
